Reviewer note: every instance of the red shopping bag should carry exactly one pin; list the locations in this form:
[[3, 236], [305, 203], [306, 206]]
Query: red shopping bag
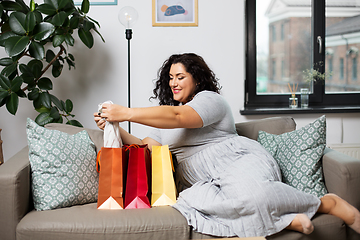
[[138, 177], [110, 164]]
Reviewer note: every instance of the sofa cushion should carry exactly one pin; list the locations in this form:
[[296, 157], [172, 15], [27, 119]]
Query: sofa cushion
[[62, 166], [87, 222], [96, 135], [298, 154]]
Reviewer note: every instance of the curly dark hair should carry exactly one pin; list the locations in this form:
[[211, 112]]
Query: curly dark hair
[[203, 76]]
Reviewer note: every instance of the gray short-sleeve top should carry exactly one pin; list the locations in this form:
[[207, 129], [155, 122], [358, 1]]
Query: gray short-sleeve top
[[218, 125]]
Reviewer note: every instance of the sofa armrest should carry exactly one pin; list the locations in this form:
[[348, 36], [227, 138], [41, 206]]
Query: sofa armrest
[[15, 198], [273, 125], [342, 175]]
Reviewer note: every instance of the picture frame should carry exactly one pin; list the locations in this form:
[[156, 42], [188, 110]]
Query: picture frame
[[175, 13], [97, 2]]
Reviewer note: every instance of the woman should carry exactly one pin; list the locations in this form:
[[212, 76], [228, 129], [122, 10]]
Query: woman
[[232, 184]]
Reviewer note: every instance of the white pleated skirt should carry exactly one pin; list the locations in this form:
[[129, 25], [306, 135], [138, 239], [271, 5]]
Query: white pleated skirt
[[234, 188]]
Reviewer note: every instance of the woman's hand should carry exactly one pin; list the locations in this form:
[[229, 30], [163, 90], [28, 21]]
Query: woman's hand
[[99, 121], [114, 112]]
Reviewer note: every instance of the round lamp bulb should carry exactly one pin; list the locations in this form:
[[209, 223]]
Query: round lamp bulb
[[128, 17]]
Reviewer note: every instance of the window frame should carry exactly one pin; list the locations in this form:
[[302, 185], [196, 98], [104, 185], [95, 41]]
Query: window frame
[[318, 98]]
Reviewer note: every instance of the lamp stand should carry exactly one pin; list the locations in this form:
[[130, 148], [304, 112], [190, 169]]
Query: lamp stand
[[128, 34]]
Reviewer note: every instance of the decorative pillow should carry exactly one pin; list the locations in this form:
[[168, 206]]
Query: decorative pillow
[[298, 154], [63, 167]]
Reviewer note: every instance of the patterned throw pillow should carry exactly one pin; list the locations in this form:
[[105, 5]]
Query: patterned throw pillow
[[62, 167], [298, 154]]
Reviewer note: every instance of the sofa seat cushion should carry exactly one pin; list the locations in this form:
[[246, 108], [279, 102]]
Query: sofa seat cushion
[[325, 227], [87, 222]]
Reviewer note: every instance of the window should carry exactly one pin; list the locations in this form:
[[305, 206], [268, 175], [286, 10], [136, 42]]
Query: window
[[354, 69], [341, 70], [308, 41]]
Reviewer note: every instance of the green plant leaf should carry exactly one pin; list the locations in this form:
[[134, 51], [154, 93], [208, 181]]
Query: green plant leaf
[[32, 5], [11, 6], [34, 94], [88, 25], [57, 102], [71, 57], [12, 103], [85, 6], [45, 84], [43, 30], [70, 63], [16, 45], [43, 118], [59, 19], [53, 3], [25, 8], [68, 106], [58, 40], [45, 99], [1, 10], [37, 50], [38, 16], [86, 38], [4, 82], [16, 84], [43, 109], [46, 9], [24, 68], [28, 78], [9, 70], [94, 21], [17, 23], [36, 67], [56, 70], [6, 61], [3, 94], [54, 113], [63, 3], [4, 36], [74, 122], [49, 55], [30, 21], [21, 93], [69, 39]]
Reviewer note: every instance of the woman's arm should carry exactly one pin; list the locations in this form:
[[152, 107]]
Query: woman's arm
[[159, 117]]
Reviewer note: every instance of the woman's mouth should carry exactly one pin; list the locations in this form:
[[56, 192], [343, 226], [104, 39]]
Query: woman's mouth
[[175, 91]]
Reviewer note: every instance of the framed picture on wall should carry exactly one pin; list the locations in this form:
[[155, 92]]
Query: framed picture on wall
[[98, 2], [175, 13]]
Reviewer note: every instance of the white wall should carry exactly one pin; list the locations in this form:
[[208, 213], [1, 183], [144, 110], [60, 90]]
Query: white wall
[[101, 73]]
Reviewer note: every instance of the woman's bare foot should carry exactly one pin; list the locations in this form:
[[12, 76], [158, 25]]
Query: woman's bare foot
[[337, 206], [301, 223]]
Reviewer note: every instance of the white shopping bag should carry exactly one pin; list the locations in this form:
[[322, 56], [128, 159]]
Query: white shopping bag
[[112, 138]]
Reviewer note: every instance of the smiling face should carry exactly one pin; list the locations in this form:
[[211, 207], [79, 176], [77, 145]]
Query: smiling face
[[182, 83]]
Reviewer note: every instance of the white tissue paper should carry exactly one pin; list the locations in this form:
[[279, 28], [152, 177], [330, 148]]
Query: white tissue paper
[[112, 138]]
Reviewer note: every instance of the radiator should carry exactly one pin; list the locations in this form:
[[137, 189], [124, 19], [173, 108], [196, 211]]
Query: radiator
[[352, 150]]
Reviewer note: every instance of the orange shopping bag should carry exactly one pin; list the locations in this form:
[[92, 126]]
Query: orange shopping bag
[[163, 185], [111, 179]]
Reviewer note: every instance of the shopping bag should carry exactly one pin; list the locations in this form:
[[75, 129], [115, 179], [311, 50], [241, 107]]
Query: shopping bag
[[111, 179], [163, 185], [138, 176], [110, 164]]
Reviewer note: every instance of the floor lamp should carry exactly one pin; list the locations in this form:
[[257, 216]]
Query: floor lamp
[[127, 17]]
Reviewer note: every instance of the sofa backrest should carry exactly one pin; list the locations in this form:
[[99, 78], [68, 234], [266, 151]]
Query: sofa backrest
[[273, 125]]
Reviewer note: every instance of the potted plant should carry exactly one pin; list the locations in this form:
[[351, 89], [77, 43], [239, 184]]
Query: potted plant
[[26, 32]]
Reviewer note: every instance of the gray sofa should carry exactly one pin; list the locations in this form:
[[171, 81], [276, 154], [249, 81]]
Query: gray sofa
[[18, 219]]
